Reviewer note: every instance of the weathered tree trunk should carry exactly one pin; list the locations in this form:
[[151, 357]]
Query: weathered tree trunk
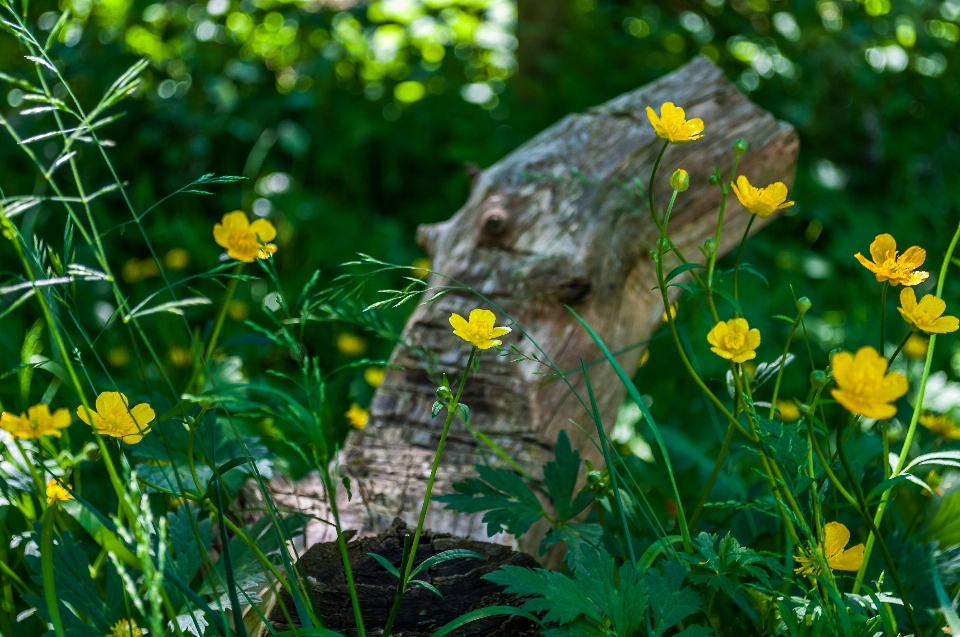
[[556, 222]]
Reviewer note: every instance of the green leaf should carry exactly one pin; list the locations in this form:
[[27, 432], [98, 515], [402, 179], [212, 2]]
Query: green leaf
[[560, 476], [437, 408], [724, 567], [480, 613], [781, 317], [596, 592], [784, 443], [48, 580], [729, 299], [510, 504], [574, 534], [186, 541], [670, 601], [680, 269], [945, 526], [446, 556], [385, 563], [428, 586], [464, 412], [746, 267]]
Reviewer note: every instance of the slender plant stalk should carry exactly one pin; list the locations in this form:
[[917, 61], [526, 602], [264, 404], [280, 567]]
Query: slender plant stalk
[[883, 315], [914, 420], [736, 266]]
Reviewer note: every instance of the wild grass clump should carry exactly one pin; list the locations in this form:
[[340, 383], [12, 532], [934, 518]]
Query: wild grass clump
[[121, 493]]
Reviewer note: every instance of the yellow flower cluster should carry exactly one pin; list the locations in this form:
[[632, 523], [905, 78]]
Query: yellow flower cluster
[[125, 628], [56, 492], [357, 416], [35, 423], [941, 425], [836, 536]]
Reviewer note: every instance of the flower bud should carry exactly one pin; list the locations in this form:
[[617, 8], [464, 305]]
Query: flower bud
[[818, 378], [803, 305], [741, 146], [680, 180], [714, 180], [710, 245]]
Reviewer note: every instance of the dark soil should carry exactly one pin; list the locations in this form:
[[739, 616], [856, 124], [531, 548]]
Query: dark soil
[[422, 611]]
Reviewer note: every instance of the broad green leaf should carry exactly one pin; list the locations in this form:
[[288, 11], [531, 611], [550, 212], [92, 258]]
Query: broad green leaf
[[510, 504], [560, 476], [670, 601]]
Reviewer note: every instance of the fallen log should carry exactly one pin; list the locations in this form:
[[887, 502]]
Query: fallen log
[[557, 222]]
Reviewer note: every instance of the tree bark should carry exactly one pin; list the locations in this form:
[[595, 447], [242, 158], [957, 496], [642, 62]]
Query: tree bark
[[557, 222]]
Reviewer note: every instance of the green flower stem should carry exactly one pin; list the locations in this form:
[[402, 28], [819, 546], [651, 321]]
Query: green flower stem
[[653, 176], [899, 348], [736, 266], [37, 478], [713, 476], [914, 420], [342, 544], [217, 326], [712, 258], [883, 314], [783, 360], [451, 410]]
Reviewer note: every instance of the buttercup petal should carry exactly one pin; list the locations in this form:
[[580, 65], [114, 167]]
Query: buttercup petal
[[777, 191], [836, 536], [931, 305], [908, 300], [884, 247], [722, 353], [743, 357], [221, 234], [715, 336], [739, 325], [912, 258], [264, 230], [82, 415], [944, 325], [870, 265], [849, 560], [457, 322], [143, 415], [753, 339], [482, 320], [893, 387], [654, 120], [842, 365], [235, 219], [61, 419]]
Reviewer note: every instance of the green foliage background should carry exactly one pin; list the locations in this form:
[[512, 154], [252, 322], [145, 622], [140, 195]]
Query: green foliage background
[[353, 123]]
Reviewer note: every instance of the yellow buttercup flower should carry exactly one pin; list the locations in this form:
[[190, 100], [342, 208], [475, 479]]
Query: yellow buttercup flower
[[116, 419], [351, 344], [941, 425], [788, 410], [374, 376], [927, 315], [898, 270], [357, 416], [836, 536], [242, 239], [673, 125], [916, 346], [56, 492], [863, 385], [762, 202], [480, 330], [36, 423], [125, 628], [734, 340]]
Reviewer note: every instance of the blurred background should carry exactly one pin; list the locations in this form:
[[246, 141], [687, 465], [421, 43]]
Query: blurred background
[[356, 121]]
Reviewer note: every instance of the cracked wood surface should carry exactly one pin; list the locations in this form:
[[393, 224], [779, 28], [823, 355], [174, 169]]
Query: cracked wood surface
[[555, 222]]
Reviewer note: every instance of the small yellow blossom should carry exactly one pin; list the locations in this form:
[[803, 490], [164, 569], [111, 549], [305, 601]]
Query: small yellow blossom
[[242, 239], [789, 412], [734, 340], [176, 258], [644, 358], [673, 313], [762, 202], [421, 267], [56, 492], [836, 536], [357, 416], [114, 418], [180, 356], [941, 424], [479, 331], [916, 346], [673, 125], [863, 385], [36, 423], [927, 315], [125, 628], [351, 344], [898, 270], [373, 376]]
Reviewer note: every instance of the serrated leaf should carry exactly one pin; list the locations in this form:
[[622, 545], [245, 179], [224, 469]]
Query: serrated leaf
[[560, 477], [510, 504], [670, 601]]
